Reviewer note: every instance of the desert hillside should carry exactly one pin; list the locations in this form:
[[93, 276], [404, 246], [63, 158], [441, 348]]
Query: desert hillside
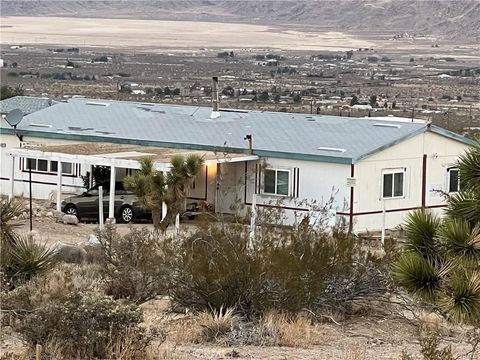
[[449, 19]]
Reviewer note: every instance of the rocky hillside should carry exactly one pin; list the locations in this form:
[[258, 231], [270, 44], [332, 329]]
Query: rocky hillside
[[450, 19]]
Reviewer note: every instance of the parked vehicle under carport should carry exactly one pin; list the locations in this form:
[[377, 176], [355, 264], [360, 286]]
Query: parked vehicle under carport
[[127, 206]]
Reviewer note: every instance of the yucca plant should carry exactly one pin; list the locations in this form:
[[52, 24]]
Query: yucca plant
[[25, 258], [21, 257], [419, 276], [440, 262], [460, 298], [421, 229], [9, 211], [30, 258]]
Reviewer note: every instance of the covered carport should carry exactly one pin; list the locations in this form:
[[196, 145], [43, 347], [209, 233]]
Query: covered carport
[[115, 156]]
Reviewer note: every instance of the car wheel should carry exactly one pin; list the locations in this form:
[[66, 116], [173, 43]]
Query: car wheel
[[126, 214], [71, 210]]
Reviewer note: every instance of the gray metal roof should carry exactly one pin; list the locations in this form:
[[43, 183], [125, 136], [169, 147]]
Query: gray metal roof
[[27, 104], [286, 135]]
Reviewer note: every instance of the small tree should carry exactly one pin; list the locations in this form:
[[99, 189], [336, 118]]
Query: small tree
[[354, 100], [228, 91], [155, 188], [149, 185], [8, 91], [297, 98], [263, 97]]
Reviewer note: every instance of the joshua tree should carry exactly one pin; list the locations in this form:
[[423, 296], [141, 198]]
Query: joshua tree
[[150, 186], [155, 188], [440, 263]]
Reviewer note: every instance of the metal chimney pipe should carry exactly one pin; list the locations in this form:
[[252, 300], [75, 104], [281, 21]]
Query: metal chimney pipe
[[215, 104], [248, 137]]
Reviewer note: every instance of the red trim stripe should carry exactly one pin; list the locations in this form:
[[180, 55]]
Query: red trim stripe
[[390, 210]]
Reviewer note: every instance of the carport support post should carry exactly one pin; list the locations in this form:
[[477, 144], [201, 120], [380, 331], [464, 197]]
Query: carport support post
[[111, 202], [12, 180], [90, 179], [100, 207], [164, 210], [59, 186]]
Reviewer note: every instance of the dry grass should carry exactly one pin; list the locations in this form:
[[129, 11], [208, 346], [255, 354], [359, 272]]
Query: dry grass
[[356, 352], [290, 331], [186, 331], [432, 322], [217, 323]]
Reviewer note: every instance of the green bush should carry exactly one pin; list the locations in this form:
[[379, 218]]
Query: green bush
[[430, 349], [132, 263], [84, 325], [286, 269]]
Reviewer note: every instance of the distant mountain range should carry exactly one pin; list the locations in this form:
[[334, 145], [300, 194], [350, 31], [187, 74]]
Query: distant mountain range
[[449, 19]]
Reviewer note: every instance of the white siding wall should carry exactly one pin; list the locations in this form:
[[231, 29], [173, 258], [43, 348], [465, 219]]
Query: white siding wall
[[317, 181], [205, 184], [441, 153], [43, 185]]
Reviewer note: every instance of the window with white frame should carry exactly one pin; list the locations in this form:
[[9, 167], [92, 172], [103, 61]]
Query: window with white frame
[[276, 182], [393, 183], [47, 166], [453, 180]]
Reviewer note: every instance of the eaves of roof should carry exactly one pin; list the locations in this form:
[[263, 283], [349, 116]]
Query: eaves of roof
[[451, 135], [393, 143], [262, 153]]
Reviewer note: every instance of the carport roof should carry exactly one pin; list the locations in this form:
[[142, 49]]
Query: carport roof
[[119, 155]]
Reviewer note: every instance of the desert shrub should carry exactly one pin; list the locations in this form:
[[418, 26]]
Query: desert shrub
[[430, 349], [287, 269], [84, 325], [132, 263], [54, 285]]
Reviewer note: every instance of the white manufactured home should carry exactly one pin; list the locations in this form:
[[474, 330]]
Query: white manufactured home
[[372, 171]]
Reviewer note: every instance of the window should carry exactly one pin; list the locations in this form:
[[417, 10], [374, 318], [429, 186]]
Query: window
[[66, 168], [47, 166], [42, 165], [31, 164], [393, 184], [276, 182], [453, 180]]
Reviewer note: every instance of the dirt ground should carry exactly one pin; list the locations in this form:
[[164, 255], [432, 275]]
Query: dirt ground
[[156, 34], [373, 336], [374, 332]]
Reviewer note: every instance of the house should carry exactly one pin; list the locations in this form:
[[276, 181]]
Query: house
[[371, 172], [27, 104]]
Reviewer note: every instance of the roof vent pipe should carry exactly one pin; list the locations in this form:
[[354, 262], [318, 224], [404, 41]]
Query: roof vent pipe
[[248, 137], [215, 106]]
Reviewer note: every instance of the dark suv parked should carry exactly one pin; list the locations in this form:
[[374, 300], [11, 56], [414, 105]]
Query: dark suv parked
[[127, 206]]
